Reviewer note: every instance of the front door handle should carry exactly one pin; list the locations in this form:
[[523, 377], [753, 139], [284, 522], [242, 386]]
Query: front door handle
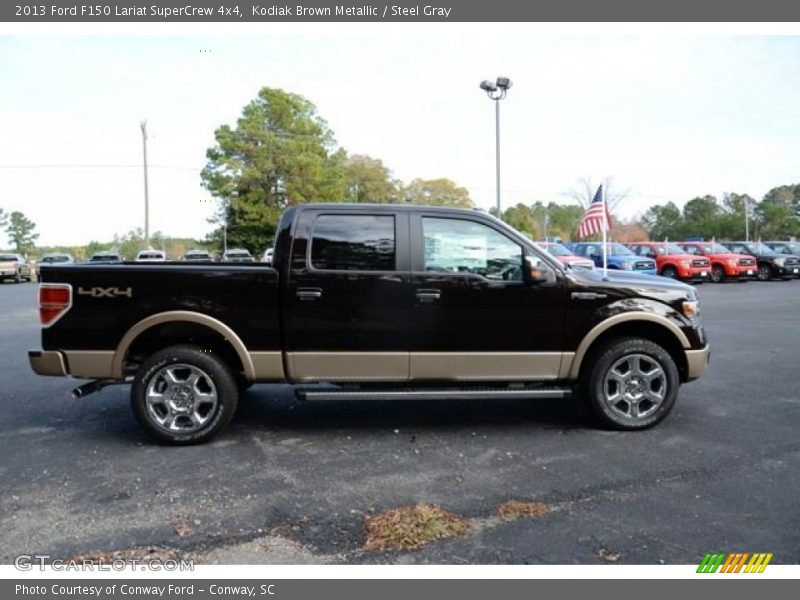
[[428, 295], [309, 293]]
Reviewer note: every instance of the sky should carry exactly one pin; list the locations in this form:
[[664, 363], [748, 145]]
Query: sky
[[667, 117]]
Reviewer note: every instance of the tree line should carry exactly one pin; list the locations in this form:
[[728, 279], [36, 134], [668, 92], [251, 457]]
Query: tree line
[[282, 152]]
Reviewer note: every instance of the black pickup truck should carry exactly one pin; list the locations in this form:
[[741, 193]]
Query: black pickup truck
[[372, 302]]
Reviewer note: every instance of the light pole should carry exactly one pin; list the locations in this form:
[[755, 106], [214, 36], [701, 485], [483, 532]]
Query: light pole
[[143, 125], [497, 91]]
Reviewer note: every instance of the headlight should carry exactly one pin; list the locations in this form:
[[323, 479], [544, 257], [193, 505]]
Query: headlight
[[686, 264], [779, 261], [732, 262], [691, 308], [626, 265]]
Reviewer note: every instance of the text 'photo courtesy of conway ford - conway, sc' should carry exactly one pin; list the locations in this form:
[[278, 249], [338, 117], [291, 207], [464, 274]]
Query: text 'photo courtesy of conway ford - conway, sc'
[[376, 302]]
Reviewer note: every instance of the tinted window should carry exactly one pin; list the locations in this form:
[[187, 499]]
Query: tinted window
[[460, 246], [353, 243]]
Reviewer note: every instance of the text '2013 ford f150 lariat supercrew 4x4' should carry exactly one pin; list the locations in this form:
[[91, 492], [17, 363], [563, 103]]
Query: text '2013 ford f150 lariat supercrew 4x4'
[[376, 302]]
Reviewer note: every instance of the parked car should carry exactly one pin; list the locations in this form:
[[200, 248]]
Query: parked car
[[105, 257], [724, 263], [785, 247], [565, 256], [198, 256], [237, 255], [673, 262], [60, 258], [379, 302], [771, 264], [14, 266], [618, 257], [150, 256], [267, 258]]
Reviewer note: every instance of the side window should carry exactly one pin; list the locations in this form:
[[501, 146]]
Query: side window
[[353, 243], [636, 250], [690, 250], [648, 252], [460, 246]]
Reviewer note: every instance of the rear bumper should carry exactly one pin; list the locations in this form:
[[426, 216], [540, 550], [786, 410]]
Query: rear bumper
[[48, 362], [697, 362]]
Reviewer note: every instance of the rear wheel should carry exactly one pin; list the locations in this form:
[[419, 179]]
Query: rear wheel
[[631, 383], [764, 273], [670, 272], [17, 277], [183, 395], [717, 274]]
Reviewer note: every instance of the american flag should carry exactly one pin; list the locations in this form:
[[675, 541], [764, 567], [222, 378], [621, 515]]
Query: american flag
[[593, 221]]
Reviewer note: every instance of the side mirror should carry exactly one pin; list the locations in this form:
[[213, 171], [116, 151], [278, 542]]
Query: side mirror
[[537, 271]]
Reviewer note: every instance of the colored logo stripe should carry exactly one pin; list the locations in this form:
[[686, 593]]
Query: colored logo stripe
[[734, 563]]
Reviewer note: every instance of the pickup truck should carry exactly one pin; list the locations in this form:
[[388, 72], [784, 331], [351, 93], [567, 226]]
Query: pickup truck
[[372, 302]]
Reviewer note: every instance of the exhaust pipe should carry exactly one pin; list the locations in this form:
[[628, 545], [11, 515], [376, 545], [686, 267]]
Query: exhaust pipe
[[94, 386]]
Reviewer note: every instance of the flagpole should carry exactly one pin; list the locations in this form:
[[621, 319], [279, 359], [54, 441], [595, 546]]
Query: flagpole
[[605, 229]]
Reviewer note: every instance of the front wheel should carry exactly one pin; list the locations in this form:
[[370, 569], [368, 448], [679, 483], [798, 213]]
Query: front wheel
[[717, 274], [670, 272], [17, 277], [182, 395], [632, 383], [764, 273]]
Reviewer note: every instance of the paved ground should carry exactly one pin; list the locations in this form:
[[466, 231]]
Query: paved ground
[[291, 482]]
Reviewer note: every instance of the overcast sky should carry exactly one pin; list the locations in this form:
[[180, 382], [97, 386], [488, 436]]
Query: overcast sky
[[668, 117]]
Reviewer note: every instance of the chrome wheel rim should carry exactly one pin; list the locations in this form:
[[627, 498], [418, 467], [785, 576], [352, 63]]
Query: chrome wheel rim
[[181, 398], [717, 274], [764, 273], [635, 387]]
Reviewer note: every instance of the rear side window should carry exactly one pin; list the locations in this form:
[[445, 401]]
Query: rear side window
[[353, 243]]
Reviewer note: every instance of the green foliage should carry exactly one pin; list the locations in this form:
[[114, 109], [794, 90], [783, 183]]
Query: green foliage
[[775, 217], [437, 192], [280, 153], [537, 221], [20, 232], [367, 179]]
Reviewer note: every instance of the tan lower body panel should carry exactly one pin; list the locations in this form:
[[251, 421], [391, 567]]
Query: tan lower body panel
[[486, 366], [267, 365], [48, 362], [85, 364], [347, 366], [697, 362]]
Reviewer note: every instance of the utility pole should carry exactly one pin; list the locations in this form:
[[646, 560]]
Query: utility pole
[[143, 125]]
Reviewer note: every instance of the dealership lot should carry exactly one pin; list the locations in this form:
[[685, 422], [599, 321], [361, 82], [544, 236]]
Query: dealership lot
[[292, 482]]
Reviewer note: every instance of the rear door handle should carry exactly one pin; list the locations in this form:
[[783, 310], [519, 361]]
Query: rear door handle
[[428, 295], [309, 293], [588, 296]]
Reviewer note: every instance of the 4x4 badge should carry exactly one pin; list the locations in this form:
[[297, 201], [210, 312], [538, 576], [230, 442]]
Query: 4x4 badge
[[109, 292]]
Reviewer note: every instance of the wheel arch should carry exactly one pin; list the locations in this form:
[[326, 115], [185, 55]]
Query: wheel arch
[[150, 327], [645, 325]]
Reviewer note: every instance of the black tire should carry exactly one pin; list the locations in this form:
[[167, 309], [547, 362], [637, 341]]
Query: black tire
[[717, 274], [17, 278], [652, 360], [670, 272], [216, 380], [764, 273]]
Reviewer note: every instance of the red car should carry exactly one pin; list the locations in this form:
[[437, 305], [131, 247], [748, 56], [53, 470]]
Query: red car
[[564, 256], [672, 261], [724, 263]]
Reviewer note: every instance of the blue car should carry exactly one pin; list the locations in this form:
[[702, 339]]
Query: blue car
[[619, 257]]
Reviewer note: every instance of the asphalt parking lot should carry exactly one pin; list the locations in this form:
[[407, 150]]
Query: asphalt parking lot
[[291, 482]]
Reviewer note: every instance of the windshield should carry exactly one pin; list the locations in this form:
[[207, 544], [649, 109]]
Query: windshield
[[670, 249], [7, 257], [55, 259], [760, 248], [104, 257], [618, 249], [555, 249], [715, 249], [238, 255]]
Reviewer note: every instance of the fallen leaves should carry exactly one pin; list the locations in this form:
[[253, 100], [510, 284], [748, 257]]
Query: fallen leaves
[[412, 527]]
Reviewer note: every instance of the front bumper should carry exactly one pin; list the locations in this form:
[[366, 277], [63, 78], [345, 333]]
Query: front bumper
[[697, 362], [47, 362]]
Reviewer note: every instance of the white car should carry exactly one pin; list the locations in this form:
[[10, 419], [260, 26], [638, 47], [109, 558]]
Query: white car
[[267, 258], [237, 255], [151, 256]]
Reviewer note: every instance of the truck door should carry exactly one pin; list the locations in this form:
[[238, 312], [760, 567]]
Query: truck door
[[474, 317], [348, 296]]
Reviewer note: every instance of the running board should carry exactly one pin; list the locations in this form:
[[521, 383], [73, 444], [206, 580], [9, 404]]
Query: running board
[[443, 394]]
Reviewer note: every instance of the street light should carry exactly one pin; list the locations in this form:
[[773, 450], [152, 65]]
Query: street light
[[497, 91]]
